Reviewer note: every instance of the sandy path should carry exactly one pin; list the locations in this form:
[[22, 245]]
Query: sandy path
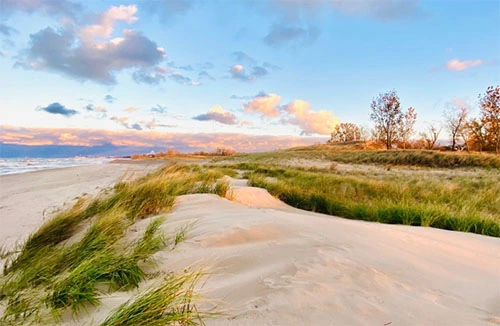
[[275, 265]]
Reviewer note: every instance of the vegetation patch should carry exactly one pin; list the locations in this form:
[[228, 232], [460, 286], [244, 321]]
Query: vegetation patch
[[55, 271], [446, 201]]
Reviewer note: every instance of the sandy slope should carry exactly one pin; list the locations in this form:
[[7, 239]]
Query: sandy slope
[[275, 265]]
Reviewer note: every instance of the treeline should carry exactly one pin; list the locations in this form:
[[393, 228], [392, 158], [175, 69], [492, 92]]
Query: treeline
[[176, 153], [394, 127]]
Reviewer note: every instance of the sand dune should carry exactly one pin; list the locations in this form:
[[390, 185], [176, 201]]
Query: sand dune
[[272, 264]]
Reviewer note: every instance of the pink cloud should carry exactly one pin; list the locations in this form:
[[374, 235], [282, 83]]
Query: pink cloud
[[186, 142], [266, 105], [457, 65], [320, 122]]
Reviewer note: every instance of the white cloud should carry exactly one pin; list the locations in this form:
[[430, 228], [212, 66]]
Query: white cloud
[[457, 65]]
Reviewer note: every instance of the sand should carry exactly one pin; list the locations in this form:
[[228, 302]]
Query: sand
[[271, 264]]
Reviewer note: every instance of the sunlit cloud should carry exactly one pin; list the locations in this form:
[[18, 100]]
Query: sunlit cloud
[[91, 53], [185, 142], [311, 122], [217, 113], [131, 109], [266, 105], [457, 65], [298, 112]]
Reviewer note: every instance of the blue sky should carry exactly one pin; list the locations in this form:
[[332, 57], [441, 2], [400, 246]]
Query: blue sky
[[207, 74]]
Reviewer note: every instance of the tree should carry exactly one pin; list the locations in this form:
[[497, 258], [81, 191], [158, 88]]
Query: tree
[[430, 136], [455, 119], [477, 134], [387, 116], [345, 132], [407, 123], [490, 115]]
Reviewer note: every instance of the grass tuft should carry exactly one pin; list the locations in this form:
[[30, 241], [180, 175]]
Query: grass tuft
[[170, 303]]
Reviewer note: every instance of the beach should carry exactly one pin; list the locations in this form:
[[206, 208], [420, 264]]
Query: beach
[[270, 264]]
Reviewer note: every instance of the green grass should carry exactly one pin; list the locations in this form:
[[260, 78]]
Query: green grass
[[170, 303], [468, 202], [83, 253], [353, 155]]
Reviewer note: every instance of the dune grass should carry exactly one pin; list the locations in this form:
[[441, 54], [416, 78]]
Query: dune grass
[[170, 303], [355, 154], [453, 201], [84, 252]]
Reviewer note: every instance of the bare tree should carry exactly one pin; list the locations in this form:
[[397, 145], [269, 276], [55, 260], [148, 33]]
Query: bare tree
[[345, 132], [387, 116], [490, 115], [455, 119], [407, 123], [430, 136]]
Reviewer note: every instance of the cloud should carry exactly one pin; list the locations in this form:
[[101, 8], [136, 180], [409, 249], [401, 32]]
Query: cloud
[[185, 67], [57, 108], [185, 142], [7, 30], [131, 109], [460, 103], [457, 65], [49, 7], [99, 111], [297, 112], [239, 72], [168, 10], [319, 122], [217, 113], [238, 97], [159, 109], [384, 10], [83, 55], [241, 56], [109, 98], [181, 79], [93, 108], [124, 122], [205, 75], [286, 33], [267, 105], [151, 76]]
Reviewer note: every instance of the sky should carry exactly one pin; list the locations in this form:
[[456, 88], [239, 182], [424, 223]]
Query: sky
[[249, 75]]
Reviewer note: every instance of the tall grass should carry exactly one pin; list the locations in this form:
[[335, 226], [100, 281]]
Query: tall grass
[[83, 253], [170, 303], [453, 202], [349, 154]]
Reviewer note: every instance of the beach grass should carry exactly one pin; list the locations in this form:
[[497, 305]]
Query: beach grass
[[452, 191], [356, 153], [84, 253], [468, 202]]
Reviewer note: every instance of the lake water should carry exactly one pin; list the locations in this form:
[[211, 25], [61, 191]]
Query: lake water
[[22, 165]]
